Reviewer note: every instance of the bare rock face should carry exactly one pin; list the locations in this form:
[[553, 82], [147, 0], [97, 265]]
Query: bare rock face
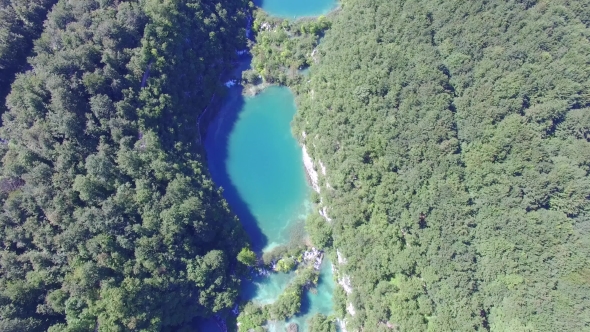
[[324, 213], [313, 257], [341, 258], [310, 169], [350, 309], [345, 283]]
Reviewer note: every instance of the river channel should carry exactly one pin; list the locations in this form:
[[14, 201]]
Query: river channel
[[254, 157]]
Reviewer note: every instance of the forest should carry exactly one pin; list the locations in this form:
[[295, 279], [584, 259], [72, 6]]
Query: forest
[[455, 136], [21, 22], [109, 220], [283, 48], [456, 139]]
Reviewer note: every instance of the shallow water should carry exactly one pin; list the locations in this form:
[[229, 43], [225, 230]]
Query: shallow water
[[319, 301], [255, 158], [296, 8]]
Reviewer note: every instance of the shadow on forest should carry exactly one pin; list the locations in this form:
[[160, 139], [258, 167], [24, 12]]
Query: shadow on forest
[[216, 144]]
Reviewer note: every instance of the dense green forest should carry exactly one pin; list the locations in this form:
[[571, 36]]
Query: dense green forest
[[109, 220], [283, 48], [456, 141], [21, 22], [455, 136]]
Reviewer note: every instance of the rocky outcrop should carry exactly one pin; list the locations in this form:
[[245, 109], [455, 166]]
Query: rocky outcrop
[[313, 257], [313, 176], [309, 168], [324, 213], [341, 324], [345, 283], [341, 259], [350, 309], [322, 167]]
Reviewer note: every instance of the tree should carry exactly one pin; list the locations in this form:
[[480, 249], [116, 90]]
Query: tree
[[247, 257], [108, 218], [321, 323], [455, 155]]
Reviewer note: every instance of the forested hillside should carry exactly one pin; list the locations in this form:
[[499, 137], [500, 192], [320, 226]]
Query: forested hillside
[[456, 141], [109, 220], [21, 22]]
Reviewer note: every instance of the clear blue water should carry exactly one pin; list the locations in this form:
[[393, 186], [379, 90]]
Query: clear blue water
[[254, 157], [319, 301], [296, 8]]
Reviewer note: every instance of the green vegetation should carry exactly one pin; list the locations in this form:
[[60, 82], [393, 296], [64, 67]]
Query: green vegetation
[[253, 316], [109, 220], [292, 249], [285, 264], [283, 47], [21, 22], [289, 302], [319, 230], [456, 137], [321, 323], [247, 257]]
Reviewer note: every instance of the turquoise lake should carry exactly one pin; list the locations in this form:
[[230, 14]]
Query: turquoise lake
[[255, 158], [296, 8]]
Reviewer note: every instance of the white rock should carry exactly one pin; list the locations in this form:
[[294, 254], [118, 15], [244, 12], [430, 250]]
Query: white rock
[[341, 258], [341, 324], [323, 167], [313, 175], [324, 213], [350, 309], [345, 283]]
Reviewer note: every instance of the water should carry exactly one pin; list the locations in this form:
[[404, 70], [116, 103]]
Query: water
[[319, 301], [296, 8], [267, 290], [254, 157]]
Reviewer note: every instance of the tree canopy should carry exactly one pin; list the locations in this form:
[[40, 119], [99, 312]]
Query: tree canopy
[[21, 22], [109, 220], [455, 136]]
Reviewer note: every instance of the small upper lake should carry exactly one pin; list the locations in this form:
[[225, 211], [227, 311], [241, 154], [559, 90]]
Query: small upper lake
[[296, 8]]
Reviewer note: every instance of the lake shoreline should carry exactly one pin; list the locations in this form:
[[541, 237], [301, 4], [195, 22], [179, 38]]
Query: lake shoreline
[[213, 130]]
